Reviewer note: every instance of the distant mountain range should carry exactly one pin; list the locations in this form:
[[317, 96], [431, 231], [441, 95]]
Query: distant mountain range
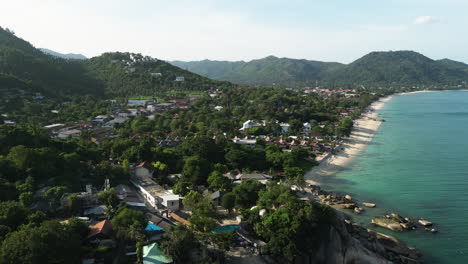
[[25, 68], [65, 56], [391, 68]]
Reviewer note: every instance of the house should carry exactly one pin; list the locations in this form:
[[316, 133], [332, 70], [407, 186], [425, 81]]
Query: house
[[160, 221], [218, 108], [9, 123], [263, 178], [144, 169], [250, 142], [155, 194], [284, 127], [250, 124], [54, 127], [111, 123], [307, 128], [213, 196], [156, 74], [180, 79], [151, 108], [123, 191], [96, 212], [72, 133], [102, 230]]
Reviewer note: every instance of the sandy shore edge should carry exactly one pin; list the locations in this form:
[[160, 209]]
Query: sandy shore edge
[[363, 131]]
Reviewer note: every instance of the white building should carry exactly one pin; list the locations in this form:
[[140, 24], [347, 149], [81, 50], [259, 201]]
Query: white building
[[250, 124], [179, 79], [307, 128], [155, 194], [218, 108]]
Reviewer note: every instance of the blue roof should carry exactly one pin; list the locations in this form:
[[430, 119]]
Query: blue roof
[[152, 227]]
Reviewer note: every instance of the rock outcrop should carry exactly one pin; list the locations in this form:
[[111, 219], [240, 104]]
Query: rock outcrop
[[394, 222], [348, 243]]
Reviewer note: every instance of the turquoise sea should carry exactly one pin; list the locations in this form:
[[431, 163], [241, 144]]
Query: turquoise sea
[[417, 165]]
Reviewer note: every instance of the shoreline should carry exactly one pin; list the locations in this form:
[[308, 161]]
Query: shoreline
[[363, 131], [361, 135]]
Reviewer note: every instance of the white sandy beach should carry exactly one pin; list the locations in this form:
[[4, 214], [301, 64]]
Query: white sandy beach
[[363, 131]]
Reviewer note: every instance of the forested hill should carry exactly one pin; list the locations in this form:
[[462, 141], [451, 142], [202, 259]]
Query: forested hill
[[377, 68], [267, 71], [62, 55], [134, 74], [111, 74], [397, 68]]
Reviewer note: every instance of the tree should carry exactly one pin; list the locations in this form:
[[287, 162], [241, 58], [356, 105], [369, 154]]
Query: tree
[[129, 223], [73, 205], [196, 170], [217, 181], [299, 154], [237, 158], [12, 214], [179, 243], [53, 196], [198, 204], [275, 195], [295, 126], [202, 223], [295, 175], [51, 242], [181, 187], [247, 193], [108, 197], [228, 201], [26, 198], [295, 229]]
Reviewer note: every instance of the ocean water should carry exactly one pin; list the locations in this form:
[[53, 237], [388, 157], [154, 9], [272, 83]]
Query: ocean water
[[417, 165]]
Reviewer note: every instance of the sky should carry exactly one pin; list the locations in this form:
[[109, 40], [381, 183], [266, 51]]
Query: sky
[[326, 30]]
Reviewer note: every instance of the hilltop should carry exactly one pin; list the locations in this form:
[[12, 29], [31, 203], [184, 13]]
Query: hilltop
[[62, 55], [402, 68], [111, 74]]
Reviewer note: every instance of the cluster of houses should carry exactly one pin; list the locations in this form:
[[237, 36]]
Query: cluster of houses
[[347, 93], [307, 127]]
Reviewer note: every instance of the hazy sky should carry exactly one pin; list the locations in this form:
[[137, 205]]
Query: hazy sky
[[329, 30]]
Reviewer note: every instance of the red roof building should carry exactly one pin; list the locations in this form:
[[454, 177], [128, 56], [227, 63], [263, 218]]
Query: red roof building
[[101, 230]]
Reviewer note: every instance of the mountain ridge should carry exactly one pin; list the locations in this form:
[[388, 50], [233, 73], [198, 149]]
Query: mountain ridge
[[376, 68]]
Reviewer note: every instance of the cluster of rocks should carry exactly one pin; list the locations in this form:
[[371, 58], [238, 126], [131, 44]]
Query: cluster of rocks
[[397, 223], [383, 245], [341, 201]]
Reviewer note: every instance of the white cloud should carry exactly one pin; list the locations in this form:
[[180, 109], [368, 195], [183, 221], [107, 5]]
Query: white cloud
[[424, 20]]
